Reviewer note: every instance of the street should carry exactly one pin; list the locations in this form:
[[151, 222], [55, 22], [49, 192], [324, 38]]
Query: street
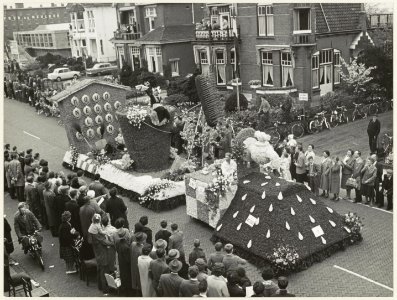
[[365, 269]]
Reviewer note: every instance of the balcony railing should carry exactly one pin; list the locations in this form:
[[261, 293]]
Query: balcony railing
[[126, 36], [214, 35], [303, 39]]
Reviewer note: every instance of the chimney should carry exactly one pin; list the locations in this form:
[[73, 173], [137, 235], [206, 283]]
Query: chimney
[[363, 18], [18, 5]]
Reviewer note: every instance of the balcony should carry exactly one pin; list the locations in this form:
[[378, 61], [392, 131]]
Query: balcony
[[214, 35], [305, 39], [126, 36]]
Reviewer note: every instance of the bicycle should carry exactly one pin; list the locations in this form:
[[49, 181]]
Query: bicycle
[[387, 144], [339, 116], [279, 132], [359, 111], [318, 123], [298, 129]]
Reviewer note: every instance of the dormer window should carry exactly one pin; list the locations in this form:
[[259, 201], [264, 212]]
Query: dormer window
[[302, 20]]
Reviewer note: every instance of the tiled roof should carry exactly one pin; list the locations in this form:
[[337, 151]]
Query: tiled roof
[[82, 84], [168, 34], [339, 16]]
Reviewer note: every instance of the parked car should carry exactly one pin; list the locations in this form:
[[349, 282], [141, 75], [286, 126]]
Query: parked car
[[60, 74], [101, 69]]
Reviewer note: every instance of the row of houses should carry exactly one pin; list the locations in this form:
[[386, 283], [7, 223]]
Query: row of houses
[[288, 47]]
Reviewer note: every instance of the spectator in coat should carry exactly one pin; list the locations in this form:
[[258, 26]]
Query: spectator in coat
[[40, 191], [163, 233], [270, 287], [300, 164], [334, 178], [357, 167], [203, 289], [217, 256], [258, 289], [347, 172], [60, 201], [66, 235], [144, 266], [136, 251], [373, 130], [235, 290], [50, 207], [141, 227], [32, 197], [202, 267], [8, 243], [122, 240], [217, 286], [158, 267], [231, 261], [80, 179], [189, 287], [244, 280], [325, 173], [368, 181], [157, 245], [17, 178], [176, 241], [86, 213], [28, 170], [74, 209], [196, 253], [116, 208], [387, 188], [110, 231], [313, 174], [282, 284], [97, 186], [169, 284]]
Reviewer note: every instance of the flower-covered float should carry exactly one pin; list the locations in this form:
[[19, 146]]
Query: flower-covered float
[[277, 222]]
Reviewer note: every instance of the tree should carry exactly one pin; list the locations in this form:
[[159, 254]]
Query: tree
[[357, 77]]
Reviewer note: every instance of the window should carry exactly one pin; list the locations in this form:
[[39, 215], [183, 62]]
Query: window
[[150, 14], [50, 40], [287, 70], [337, 67], [265, 20], [83, 43], [33, 17], [220, 67], [135, 57], [154, 59], [101, 44], [267, 68], [302, 20], [315, 65], [326, 56], [57, 15], [175, 67], [203, 61]]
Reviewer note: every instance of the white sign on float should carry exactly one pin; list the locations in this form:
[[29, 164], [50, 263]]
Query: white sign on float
[[303, 97], [318, 231], [251, 220]]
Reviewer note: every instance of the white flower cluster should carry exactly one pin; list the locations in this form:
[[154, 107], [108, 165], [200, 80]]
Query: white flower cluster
[[136, 115]]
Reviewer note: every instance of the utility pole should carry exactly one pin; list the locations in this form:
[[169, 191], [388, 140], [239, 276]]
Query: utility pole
[[236, 62]]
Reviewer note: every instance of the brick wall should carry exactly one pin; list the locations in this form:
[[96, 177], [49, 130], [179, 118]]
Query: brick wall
[[184, 52]]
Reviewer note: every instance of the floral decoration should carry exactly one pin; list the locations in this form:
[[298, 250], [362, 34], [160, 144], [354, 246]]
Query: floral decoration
[[254, 82], [154, 191], [284, 259], [216, 189], [75, 156], [100, 157], [136, 115], [353, 222], [173, 153]]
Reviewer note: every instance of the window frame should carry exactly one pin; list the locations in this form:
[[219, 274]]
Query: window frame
[[262, 12], [266, 62], [220, 62], [315, 68], [175, 62], [286, 64], [337, 66], [295, 15]]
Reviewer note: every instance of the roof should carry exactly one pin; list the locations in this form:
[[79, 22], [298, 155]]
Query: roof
[[168, 34], [74, 88], [336, 17], [53, 27]]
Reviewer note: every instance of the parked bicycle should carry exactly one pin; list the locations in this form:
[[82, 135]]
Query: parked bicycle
[[339, 116], [319, 122], [360, 111], [279, 132], [387, 144], [299, 128]]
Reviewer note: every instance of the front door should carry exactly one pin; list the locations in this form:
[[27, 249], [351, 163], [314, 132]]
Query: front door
[[325, 79]]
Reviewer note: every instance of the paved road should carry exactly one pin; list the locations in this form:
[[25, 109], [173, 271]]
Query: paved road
[[372, 259]]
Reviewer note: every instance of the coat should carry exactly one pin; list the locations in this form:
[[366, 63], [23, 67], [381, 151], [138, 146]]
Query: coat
[[15, 171], [334, 179], [24, 226], [301, 163], [373, 128], [87, 211], [217, 286], [195, 254], [189, 288], [146, 281], [116, 208], [169, 285], [136, 251], [100, 244], [123, 248], [157, 268], [74, 209], [235, 290], [50, 208], [176, 242], [357, 167], [325, 170], [66, 239], [140, 228], [60, 201], [347, 170], [98, 188], [368, 174]]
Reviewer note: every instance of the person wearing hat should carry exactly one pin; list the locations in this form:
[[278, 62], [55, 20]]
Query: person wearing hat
[[202, 267], [50, 208], [116, 208], [136, 251], [158, 267], [373, 130], [387, 188], [189, 287], [15, 172], [196, 253], [60, 199], [25, 223], [144, 266], [67, 235], [232, 261], [160, 243], [368, 181], [169, 284], [217, 286], [32, 197], [163, 233], [217, 256]]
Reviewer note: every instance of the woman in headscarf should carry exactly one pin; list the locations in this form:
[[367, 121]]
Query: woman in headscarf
[[122, 240], [66, 242], [50, 207]]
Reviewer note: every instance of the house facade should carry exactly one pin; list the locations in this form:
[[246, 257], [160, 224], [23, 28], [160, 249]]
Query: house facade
[[53, 38], [158, 36], [91, 27], [290, 48]]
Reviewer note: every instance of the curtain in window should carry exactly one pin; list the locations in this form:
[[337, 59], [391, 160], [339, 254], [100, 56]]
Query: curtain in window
[[328, 70], [270, 25], [267, 74], [322, 75], [221, 74], [315, 78], [262, 25], [288, 79], [205, 69]]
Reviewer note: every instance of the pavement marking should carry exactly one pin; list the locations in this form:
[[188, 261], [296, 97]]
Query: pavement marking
[[36, 137], [365, 278], [377, 208]]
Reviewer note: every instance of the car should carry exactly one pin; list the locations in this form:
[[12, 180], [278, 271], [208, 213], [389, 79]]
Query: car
[[60, 74], [101, 69]]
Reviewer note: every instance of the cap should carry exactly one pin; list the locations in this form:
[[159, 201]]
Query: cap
[[91, 194]]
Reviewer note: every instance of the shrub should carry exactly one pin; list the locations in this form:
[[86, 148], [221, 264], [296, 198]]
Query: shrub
[[155, 79], [176, 99], [231, 102], [244, 134]]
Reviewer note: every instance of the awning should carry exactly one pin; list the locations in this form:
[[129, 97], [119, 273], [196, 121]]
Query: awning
[[273, 47], [126, 8]]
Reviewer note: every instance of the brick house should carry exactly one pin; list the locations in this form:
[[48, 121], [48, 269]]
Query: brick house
[[157, 35], [291, 48]]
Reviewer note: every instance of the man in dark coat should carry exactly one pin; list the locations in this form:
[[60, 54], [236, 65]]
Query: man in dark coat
[[74, 210], [387, 188], [158, 267], [163, 233], [116, 208], [196, 253], [282, 292], [60, 201], [169, 284], [136, 251], [373, 132], [32, 198], [141, 227], [97, 186], [189, 287]]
